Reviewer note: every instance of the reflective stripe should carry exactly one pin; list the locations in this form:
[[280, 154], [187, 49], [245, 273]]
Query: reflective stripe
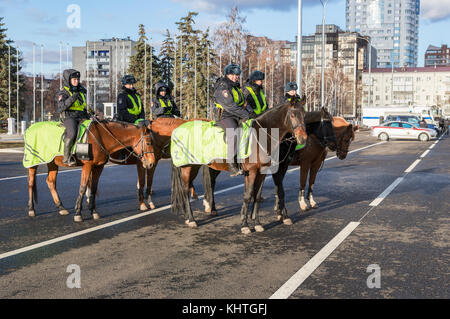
[[258, 109], [76, 106], [136, 110], [169, 111], [236, 94]]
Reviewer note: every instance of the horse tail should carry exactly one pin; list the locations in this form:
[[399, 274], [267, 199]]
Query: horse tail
[[178, 196]]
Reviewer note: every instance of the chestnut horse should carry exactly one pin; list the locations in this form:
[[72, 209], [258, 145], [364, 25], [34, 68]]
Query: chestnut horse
[[310, 159], [288, 118], [161, 130], [105, 138]]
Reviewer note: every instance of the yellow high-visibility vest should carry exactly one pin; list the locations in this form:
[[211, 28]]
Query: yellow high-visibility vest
[[136, 110], [258, 109], [237, 93], [77, 106]]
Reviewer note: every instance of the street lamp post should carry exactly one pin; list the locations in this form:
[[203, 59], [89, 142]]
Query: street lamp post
[[299, 49], [324, 4]]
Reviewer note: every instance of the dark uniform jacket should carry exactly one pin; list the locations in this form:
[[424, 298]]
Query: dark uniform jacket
[[124, 105], [223, 95], [158, 108], [65, 100], [287, 97], [249, 97]]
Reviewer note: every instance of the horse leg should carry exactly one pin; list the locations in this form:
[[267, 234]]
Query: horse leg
[[304, 169], [149, 192], [85, 173], [32, 193], [51, 182], [209, 184], [280, 207], [248, 194], [187, 175], [312, 178], [140, 186], [96, 172], [258, 186]]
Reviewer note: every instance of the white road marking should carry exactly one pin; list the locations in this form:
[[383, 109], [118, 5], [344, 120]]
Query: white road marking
[[41, 174], [433, 145], [425, 153], [409, 169], [119, 221], [300, 276], [386, 192]]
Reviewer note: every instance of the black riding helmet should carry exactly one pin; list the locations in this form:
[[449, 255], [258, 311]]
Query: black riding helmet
[[291, 86], [256, 75], [128, 79], [232, 69]]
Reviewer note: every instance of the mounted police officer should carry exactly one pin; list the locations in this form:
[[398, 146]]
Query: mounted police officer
[[254, 93], [129, 103], [163, 103], [291, 92], [72, 107], [230, 100]]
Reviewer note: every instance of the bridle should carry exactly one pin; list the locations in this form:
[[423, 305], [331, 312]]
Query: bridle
[[324, 139], [339, 150], [130, 153]]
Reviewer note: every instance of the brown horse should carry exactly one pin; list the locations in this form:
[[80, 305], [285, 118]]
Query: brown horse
[[161, 130], [310, 159], [105, 138], [288, 118]]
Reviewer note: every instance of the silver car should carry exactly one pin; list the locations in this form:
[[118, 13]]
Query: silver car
[[402, 130]]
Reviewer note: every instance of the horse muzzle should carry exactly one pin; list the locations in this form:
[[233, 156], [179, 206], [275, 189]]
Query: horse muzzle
[[300, 135]]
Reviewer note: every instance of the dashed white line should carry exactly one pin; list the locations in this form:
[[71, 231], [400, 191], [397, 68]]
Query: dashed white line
[[425, 154], [386, 192], [300, 276], [413, 165]]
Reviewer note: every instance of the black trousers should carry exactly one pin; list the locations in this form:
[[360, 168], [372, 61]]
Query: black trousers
[[71, 125], [231, 138]]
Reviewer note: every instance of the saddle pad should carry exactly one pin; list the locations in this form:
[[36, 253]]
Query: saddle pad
[[201, 142], [44, 141]]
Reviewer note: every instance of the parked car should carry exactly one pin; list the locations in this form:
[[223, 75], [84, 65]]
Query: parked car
[[402, 130], [434, 127]]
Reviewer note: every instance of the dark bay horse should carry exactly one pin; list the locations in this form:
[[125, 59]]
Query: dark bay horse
[[311, 158], [288, 118], [105, 138]]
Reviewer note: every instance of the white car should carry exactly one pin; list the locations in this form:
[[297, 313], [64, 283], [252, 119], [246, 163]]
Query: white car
[[402, 130]]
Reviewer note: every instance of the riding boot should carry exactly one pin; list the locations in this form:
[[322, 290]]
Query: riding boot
[[235, 169], [67, 159]]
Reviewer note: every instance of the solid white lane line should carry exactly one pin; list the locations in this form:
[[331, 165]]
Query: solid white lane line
[[119, 221], [59, 172], [300, 276], [425, 154], [386, 192], [409, 169], [432, 146]]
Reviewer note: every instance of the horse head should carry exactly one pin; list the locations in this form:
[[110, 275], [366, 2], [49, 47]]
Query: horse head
[[145, 149], [296, 119], [327, 134], [346, 137]]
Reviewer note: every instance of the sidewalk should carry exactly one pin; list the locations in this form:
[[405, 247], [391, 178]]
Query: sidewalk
[[15, 138]]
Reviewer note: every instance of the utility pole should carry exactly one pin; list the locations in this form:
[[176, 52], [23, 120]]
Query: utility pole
[[299, 49], [195, 78], [60, 64], [34, 83], [116, 80], [42, 83], [323, 52], [95, 77], [17, 104], [9, 81], [181, 75], [145, 74], [151, 68], [207, 88]]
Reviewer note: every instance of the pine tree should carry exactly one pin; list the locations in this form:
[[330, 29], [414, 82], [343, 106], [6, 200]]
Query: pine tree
[[4, 69], [138, 67], [166, 56]]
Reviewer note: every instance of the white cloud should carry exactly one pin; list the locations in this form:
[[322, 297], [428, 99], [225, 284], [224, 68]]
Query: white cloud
[[435, 10]]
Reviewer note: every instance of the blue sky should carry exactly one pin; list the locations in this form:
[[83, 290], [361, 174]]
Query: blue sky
[[45, 22]]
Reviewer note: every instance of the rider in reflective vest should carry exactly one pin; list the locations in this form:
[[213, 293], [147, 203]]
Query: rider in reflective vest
[[163, 103], [254, 93], [72, 108], [129, 103], [291, 92], [230, 100]]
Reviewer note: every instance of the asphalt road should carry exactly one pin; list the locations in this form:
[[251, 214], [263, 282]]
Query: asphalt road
[[156, 256]]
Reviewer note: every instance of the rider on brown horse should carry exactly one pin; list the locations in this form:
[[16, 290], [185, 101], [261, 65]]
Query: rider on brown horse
[[254, 93], [129, 104], [163, 103], [72, 107], [291, 92], [229, 98]]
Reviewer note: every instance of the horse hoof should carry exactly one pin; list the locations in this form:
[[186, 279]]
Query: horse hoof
[[143, 207], [315, 206], [192, 224], [194, 196], [31, 213], [95, 216], [64, 212], [287, 221], [259, 228], [78, 219], [246, 230], [279, 217], [152, 206], [213, 213]]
